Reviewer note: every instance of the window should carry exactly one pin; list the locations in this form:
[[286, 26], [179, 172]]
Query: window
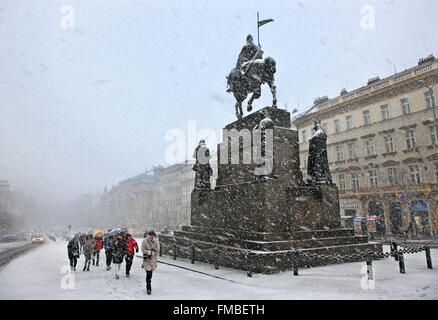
[[349, 122], [433, 135], [374, 182], [370, 147], [410, 139], [392, 176], [325, 127], [384, 111], [355, 180], [328, 156], [341, 181], [430, 99], [303, 136], [366, 117], [337, 126], [389, 143], [415, 173], [352, 150], [339, 153], [305, 157], [406, 107]]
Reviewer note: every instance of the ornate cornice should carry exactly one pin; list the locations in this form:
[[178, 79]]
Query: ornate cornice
[[408, 127], [433, 157], [389, 163], [371, 165], [412, 160], [341, 142], [387, 131], [380, 93], [386, 154], [368, 136]]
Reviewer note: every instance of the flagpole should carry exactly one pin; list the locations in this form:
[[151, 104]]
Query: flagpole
[[258, 33]]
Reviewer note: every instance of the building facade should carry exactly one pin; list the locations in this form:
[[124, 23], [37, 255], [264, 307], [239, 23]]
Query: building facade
[[173, 189], [158, 199], [16, 210], [383, 151]]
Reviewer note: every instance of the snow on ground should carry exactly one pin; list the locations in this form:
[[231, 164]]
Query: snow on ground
[[11, 245], [38, 275]]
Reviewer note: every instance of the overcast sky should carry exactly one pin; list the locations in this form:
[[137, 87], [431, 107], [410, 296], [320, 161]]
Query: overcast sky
[[87, 107]]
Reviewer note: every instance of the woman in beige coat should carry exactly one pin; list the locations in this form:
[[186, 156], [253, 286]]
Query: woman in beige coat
[[150, 248]]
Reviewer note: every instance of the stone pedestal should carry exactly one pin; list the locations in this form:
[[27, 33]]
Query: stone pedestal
[[265, 216]]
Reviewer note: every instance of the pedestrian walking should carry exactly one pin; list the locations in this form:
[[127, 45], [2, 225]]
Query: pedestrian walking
[[82, 238], [108, 245], [131, 245], [73, 252], [119, 253], [88, 251], [97, 247], [150, 248]]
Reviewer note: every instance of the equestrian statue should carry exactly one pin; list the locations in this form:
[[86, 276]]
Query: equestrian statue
[[250, 73]]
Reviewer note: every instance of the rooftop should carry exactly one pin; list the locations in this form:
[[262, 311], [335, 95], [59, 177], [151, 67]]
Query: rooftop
[[374, 84]]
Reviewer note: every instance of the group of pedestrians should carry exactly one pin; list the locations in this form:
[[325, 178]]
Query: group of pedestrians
[[117, 248], [87, 245]]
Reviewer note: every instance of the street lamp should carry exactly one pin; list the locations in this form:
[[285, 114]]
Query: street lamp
[[432, 98]]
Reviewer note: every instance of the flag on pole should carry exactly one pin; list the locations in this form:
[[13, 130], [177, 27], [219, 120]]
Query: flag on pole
[[264, 22]]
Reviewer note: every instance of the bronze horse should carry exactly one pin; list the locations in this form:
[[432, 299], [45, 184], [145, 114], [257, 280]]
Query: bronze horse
[[257, 72]]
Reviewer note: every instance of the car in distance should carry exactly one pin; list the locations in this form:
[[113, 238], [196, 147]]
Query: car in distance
[[37, 238]]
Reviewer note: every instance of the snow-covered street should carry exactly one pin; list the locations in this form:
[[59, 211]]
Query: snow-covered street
[[41, 274]]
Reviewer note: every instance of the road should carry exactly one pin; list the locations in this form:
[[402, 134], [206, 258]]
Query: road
[[43, 273], [11, 250]]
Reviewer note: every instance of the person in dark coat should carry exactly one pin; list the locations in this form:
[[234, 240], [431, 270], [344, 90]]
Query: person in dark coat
[[119, 253], [131, 245], [88, 251], [108, 245], [73, 252], [82, 238]]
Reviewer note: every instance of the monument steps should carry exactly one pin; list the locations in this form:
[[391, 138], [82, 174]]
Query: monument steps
[[270, 236], [272, 245], [237, 257]]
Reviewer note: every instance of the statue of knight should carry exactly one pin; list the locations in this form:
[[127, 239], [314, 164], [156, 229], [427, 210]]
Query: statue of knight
[[250, 73], [202, 168], [248, 54]]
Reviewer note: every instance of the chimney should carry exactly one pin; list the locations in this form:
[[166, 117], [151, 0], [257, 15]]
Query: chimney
[[320, 100], [373, 80], [429, 58]]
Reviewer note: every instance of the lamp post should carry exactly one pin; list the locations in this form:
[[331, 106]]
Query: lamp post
[[432, 98]]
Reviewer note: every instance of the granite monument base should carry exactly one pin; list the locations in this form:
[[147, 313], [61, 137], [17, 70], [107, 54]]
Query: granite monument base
[[257, 222]]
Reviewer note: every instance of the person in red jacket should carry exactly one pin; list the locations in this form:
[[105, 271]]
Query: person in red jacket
[[98, 245], [131, 245]]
